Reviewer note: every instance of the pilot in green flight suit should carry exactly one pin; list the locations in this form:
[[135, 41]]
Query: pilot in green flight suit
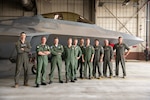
[[78, 54], [88, 55], [98, 58], [23, 48], [120, 48], [56, 52], [43, 50], [69, 55], [80, 62], [107, 59]]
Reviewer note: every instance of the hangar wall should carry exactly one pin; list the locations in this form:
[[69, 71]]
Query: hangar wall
[[13, 8], [129, 19], [81, 7]]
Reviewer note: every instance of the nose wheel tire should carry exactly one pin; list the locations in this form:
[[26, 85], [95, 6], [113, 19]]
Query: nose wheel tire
[[33, 69]]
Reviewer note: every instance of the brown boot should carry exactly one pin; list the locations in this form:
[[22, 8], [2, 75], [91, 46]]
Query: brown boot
[[16, 86], [26, 84]]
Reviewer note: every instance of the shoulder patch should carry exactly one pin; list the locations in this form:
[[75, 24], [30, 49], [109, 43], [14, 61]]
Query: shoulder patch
[[51, 47], [37, 46]]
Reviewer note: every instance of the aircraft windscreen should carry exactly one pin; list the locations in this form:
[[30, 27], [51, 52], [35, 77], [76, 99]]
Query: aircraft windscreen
[[69, 16]]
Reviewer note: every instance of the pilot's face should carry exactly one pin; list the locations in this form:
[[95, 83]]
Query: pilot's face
[[82, 41], [120, 40], [96, 42], [75, 42], [106, 42], [23, 36], [87, 41], [56, 41], [70, 41], [43, 40]]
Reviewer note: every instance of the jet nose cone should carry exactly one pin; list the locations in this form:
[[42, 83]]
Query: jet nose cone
[[131, 40]]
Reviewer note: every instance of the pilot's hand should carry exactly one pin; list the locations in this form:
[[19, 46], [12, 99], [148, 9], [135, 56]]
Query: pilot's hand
[[22, 49], [46, 52], [83, 60], [125, 56], [59, 53], [101, 60], [111, 60], [91, 60], [78, 58]]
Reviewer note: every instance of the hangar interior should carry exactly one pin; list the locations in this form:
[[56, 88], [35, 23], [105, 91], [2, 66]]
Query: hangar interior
[[130, 17]]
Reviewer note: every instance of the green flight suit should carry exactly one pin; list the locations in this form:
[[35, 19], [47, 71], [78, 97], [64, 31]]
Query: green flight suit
[[88, 52], [120, 51], [69, 53], [56, 52], [42, 63], [81, 64], [22, 60], [108, 55], [78, 53], [96, 62]]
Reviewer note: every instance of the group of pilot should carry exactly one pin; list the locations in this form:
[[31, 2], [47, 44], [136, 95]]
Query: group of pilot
[[84, 57]]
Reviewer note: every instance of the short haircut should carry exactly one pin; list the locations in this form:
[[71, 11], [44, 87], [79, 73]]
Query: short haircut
[[43, 37], [22, 33], [75, 39], [69, 38], [119, 37], [87, 38], [106, 40], [82, 39], [55, 38], [96, 40]]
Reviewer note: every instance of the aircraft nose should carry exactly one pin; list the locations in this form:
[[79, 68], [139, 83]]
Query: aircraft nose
[[131, 40]]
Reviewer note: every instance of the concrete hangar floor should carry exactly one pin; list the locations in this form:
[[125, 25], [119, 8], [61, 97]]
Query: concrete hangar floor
[[136, 86]]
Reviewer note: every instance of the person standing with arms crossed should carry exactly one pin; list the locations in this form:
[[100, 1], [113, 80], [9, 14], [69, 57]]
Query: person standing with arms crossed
[[78, 54], [88, 55], [98, 59], [69, 55], [23, 48], [43, 50], [107, 60], [120, 48], [56, 52]]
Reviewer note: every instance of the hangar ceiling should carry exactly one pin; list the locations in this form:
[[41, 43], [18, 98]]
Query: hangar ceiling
[[130, 18]]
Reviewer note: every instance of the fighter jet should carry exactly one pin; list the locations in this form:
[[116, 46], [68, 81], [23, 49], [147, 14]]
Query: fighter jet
[[37, 26]]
